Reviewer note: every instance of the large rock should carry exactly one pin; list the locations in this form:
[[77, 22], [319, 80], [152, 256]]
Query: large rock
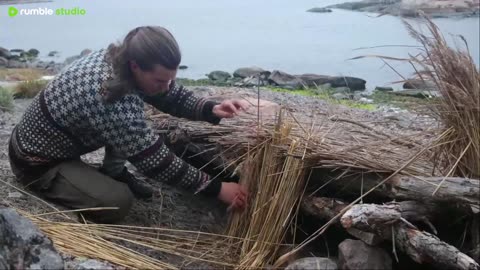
[[285, 80], [417, 93], [33, 52], [355, 254], [353, 83], [319, 10], [350, 82], [5, 53], [53, 53], [252, 81], [313, 263], [313, 80], [23, 246], [3, 62], [17, 64], [384, 89], [418, 84], [218, 75], [85, 52], [248, 72]]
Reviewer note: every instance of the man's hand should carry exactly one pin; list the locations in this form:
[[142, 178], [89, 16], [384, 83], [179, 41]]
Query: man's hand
[[234, 195], [230, 108]]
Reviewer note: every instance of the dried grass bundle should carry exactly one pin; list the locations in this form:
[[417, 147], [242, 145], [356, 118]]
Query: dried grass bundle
[[331, 141], [275, 182], [118, 244], [458, 80]]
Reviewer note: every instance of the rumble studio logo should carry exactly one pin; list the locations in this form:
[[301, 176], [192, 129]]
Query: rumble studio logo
[[12, 11]]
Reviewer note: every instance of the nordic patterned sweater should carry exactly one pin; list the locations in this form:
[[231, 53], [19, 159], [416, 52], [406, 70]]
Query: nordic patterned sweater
[[69, 118]]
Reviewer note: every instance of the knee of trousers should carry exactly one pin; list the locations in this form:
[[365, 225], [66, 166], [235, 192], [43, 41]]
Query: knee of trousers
[[120, 198]]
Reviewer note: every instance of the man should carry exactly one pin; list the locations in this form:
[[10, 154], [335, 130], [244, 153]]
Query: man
[[97, 102]]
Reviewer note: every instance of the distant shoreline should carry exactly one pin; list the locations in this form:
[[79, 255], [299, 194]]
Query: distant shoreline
[[413, 8]]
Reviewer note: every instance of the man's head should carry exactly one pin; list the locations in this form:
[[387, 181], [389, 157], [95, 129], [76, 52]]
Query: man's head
[[147, 59]]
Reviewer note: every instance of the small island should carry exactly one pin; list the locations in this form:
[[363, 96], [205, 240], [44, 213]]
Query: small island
[[413, 8]]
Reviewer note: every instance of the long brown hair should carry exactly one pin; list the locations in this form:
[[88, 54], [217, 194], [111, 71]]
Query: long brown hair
[[147, 46]]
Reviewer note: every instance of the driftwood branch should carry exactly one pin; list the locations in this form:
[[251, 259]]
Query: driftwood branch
[[422, 247], [452, 190], [327, 208]]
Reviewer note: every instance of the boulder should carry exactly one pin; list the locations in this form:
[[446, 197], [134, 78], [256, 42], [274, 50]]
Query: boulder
[[3, 62], [33, 52], [353, 83], [219, 75], [313, 80], [248, 72], [94, 265], [355, 254], [41, 65], [417, 93], [350, 82], [319, 10], [16, 64], [23, 246], [252, 81], [53, 53], [285, 80], [5, 53], [17, 51], [313, 263], [85, 52], [418, 84], [383, 89]]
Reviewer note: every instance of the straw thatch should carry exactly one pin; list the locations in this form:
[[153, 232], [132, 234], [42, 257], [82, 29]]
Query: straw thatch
[[330, 141], [457, 78], [276, 183]]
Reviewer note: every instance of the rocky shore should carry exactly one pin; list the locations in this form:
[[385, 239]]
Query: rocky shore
[[412, 8], [16, 61]]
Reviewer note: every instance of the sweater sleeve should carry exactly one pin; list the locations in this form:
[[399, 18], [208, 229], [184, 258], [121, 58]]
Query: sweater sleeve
[[180, 102], [129, 133]]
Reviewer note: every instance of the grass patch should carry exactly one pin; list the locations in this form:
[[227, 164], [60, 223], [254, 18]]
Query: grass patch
[[404, 102], [21, 74], [6, 99], [29, 89]]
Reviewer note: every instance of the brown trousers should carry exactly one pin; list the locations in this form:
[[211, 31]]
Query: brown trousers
[[78, 185]]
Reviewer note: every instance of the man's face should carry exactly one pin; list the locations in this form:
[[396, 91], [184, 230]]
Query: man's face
[[153, 82]]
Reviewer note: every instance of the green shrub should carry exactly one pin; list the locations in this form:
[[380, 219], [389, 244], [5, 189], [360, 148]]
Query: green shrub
[[29, 89], [6, 99]]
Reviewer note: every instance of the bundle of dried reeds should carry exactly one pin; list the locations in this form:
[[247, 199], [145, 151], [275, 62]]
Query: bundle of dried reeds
[[332, 141], [276, 183], [119, 244], [457, 78]]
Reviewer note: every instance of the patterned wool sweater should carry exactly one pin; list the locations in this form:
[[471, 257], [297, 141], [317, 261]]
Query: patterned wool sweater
[[69, 118]]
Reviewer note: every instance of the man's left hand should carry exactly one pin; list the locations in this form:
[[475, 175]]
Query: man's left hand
[[230, 108]]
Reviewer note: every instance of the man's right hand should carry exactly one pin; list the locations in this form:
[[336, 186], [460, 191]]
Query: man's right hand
[[233, 195]]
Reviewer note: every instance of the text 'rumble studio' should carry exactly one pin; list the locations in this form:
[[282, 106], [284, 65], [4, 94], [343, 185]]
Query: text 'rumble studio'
[[76, 11]]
